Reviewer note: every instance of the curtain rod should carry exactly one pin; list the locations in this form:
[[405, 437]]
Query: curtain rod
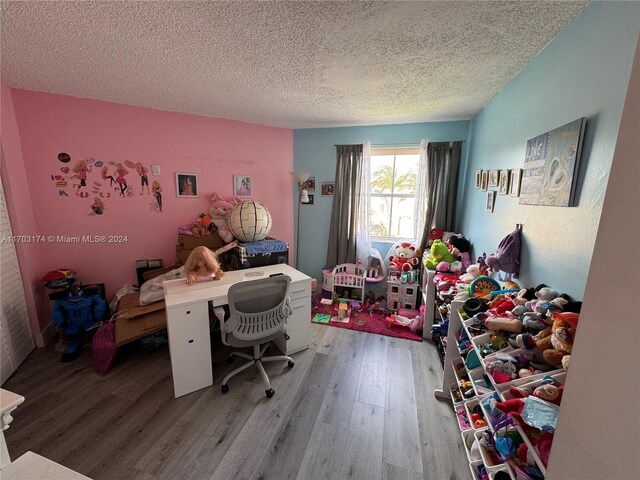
[[393, 145]]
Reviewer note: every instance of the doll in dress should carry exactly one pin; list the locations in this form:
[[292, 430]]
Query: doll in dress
[[202, 265]]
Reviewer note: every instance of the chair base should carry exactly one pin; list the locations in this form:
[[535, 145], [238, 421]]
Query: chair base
[[256, 360]]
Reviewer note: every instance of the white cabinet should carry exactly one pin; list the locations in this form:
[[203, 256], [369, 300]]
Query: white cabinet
[[189, 347], [299, 323]]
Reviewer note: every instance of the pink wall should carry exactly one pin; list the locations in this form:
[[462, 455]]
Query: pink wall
[[214, 149], [16, 191]]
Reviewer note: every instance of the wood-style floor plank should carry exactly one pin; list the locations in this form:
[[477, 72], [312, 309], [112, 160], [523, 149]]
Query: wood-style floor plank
[[401, 432], [324, 452], [442, 450], [364, 443], [373, 372], [355, 405]]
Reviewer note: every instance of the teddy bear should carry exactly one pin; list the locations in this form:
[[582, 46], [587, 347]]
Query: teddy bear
[[473, 272], [404, 257], [556, 342], [219, 213], [439, 253]]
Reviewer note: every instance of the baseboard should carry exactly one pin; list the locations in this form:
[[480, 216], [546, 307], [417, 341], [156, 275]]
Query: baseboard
[[48, 336]]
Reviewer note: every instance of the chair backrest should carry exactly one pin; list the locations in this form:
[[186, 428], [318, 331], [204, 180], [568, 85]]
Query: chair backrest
[[259, 308]]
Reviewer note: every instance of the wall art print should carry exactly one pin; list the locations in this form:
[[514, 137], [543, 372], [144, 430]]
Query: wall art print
[[551, 166], [242, 186], [328, 188], [187, 185]]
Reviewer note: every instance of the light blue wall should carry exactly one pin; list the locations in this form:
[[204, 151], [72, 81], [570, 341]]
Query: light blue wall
[[314, 151], [583, 72]]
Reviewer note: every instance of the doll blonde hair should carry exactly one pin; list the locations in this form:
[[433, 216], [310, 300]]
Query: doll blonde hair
[[201, 253]]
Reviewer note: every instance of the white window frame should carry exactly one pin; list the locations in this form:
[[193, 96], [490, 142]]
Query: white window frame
[[396, 152]]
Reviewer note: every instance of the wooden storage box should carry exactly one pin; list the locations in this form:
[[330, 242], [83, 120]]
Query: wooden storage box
[[189, 242], [136, 321]]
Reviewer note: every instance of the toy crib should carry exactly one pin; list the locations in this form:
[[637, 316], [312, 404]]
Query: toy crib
[[346, 275]]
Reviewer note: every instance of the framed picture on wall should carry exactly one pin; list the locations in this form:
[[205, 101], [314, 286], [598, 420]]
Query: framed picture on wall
[[328, 188], [485, 180], [187, 185], [242, 185], [514, 183], [491, 200], [504, 182], [493, 178], [310, 201], [310, 184], [478, 179]]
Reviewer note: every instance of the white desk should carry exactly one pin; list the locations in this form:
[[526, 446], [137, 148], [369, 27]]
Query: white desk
[[188, 322]]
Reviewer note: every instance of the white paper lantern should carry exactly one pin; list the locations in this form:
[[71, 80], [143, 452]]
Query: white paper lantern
[[250, 221]]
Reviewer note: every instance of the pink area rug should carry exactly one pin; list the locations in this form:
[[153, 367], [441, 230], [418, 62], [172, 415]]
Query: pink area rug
[[371, 323]]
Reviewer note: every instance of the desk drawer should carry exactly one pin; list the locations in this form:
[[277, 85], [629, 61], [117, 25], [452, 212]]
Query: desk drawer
[[300, 290]]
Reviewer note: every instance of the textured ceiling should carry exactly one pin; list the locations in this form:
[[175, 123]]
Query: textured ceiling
[[287, 64]]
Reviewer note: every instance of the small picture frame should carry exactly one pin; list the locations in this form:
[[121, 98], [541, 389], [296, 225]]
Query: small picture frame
[[187, 185], [491, 200], [485, 180], [514, 183], [493, 177], [478, 179], [155, 170], [503, 186], [242, 185], [310, 184], [328, 188], [310, 202]]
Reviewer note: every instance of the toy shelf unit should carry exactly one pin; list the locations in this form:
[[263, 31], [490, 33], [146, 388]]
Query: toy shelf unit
[[346, 277], [402, 289], [467, 384]]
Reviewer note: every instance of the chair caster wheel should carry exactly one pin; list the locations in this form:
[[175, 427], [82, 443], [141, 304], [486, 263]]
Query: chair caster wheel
[[269, 392], [229, 359], [224, 388], [291, 364]]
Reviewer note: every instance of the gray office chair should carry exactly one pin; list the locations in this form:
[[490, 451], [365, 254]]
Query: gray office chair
[[258, 315]]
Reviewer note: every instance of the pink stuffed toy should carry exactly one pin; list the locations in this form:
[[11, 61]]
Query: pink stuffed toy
[[219, 213]]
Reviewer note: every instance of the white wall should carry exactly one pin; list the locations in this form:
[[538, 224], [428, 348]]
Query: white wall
[[598, 435]]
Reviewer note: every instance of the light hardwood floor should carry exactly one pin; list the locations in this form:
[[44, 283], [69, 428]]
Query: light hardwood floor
[[355, 406]]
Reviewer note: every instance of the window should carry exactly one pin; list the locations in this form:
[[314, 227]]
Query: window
[[394, 182]]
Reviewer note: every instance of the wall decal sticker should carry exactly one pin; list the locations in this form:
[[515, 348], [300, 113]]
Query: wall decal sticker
[[64, 157], [144, 180], [120, 180], [97, 207], [81, 169], [156, 204]]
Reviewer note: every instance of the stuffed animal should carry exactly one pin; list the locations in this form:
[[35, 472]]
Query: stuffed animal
[[473, 272], [405, 257], [439, 253], [461, 250], [557, 341], [219, 213]]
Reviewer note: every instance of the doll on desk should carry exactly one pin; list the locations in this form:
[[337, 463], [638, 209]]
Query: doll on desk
[[202, 266]]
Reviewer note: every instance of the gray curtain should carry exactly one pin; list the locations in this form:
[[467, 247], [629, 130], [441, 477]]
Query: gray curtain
[[443, 167], [346, 204]]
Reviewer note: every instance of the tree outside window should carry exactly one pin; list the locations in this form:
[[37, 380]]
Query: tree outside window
[[394, 181]]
